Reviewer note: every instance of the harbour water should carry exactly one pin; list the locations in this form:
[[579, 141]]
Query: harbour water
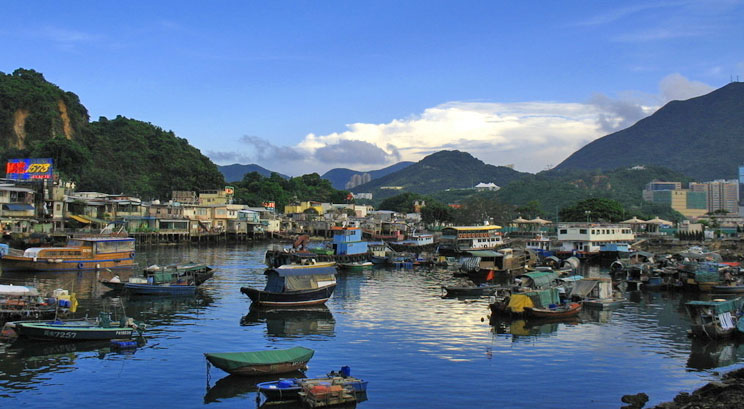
[[391, 327]]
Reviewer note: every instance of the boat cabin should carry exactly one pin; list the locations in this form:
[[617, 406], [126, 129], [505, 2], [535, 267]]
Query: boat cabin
[[287, 279], [589, 238], [467, 238]]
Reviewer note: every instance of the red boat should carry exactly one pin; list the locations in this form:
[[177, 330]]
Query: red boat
[[560, 311]]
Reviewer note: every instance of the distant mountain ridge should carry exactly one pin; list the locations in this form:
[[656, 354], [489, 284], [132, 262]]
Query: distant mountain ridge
[[236, 171], [439, 171], [700, 137], [341, 177]]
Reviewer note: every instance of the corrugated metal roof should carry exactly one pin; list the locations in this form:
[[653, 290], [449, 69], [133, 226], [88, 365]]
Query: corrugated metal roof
[[15, 207], [485, 253]]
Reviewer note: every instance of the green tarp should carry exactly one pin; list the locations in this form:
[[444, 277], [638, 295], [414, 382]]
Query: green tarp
[[234, 360], [543, 298], [721, 306], [542, 279]]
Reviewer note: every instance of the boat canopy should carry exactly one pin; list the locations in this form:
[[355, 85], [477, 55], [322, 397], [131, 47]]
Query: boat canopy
[[234, 360], [540, 279], [543, 298], [720, 306], [707, 276], [485, 253], [302, 271], [582, 288], [17, 290]]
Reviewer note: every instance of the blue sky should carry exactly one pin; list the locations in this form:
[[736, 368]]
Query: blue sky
[[302, 87]]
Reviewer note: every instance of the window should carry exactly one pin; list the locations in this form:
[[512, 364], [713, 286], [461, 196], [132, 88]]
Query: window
[[564, 231], [582, 231]]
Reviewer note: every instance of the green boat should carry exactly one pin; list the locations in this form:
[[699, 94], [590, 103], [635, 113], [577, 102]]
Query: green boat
[[275, 361]]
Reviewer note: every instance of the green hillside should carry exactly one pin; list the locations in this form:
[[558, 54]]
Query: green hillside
[[547, 192], [438, 172], [38, 119], [700, 137]]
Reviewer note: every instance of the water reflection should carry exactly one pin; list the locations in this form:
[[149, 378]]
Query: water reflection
[[233, 386], [710, 354], [26, 363], [292, 322]]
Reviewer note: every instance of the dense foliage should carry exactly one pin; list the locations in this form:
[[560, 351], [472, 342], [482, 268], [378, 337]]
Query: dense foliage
[[700, 137], [437, 172], [39, 120], [546, 193], [255, 189]]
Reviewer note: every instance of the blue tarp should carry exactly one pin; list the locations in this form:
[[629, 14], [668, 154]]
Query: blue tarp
[[17, 207]]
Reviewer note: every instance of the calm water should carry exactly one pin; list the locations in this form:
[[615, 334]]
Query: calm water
[[392, 328]]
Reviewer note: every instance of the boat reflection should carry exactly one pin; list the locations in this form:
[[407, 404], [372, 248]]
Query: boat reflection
[[233, 386], [292, 322], [709, 354], [529, 328], [24, 361]]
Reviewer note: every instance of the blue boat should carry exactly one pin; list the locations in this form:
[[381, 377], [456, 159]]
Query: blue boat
[[290, 388]]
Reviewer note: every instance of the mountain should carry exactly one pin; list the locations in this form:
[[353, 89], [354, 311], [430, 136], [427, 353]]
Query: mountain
[[236, 171], [342, 178], [439, 171], [700, 137], [121, 155]]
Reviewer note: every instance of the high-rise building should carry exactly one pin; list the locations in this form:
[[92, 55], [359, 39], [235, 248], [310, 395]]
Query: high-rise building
[[741, 190], [722, 194]]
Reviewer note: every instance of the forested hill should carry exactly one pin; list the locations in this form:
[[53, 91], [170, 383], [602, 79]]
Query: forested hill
[[439, 171], [700, 137], [339, 177], [236, 171], [122, 155]]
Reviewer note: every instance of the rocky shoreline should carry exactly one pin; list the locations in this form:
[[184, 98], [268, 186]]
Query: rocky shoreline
[[726, 393]]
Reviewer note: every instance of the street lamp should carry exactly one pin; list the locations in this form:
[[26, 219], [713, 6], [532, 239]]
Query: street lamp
[[587, 213]]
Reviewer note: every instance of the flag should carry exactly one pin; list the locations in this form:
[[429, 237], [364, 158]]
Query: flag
[[490, 276]]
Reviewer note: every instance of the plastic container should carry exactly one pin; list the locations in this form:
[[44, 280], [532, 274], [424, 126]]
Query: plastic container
[[345, 371], [286, 383]]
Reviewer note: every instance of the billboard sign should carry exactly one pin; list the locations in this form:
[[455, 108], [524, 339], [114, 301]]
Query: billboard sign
[[269, 205], [26, 169]]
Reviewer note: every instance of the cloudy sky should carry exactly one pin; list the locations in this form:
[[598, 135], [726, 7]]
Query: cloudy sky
[[306, 86]]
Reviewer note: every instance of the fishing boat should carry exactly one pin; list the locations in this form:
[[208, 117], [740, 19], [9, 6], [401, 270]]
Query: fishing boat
[[290, 388], [267, 362], [79, 254], [356, 265], [714, 319], [554, 311], [83, 329], [18, 302], [295, 285], [733, 288], [167, 280]]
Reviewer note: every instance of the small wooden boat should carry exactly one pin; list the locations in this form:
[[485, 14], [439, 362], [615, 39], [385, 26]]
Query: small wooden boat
[[289, 388], [356, 265], [84, 329], [295, 285], [267, 362], [175, 279], [728, 289], [560, 311]]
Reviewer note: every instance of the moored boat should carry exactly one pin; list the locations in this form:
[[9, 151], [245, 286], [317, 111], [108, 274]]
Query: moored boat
[[290, 388], [356, 265], [554, 312], [166, 280], [714, 319], [267, 362], [295, 285], [79, 254], [83, 329]]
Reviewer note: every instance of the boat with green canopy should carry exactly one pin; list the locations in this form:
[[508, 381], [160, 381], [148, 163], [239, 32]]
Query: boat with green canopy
[[275, 361]]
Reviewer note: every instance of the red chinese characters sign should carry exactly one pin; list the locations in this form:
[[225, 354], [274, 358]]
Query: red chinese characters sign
[[24, 169]]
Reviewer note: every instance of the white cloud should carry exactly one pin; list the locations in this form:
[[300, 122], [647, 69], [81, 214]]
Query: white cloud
[[530, 135]]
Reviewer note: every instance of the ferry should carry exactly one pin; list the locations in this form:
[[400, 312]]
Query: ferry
[[467, 238], [79, 254], [585, 240]]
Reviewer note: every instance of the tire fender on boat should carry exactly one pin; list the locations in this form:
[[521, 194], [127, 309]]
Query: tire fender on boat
[[131, 255], [80, 265]]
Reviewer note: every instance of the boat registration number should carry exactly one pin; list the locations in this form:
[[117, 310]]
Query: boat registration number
[[123, 332], [60, 334]]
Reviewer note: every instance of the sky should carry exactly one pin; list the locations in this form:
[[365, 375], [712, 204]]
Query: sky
[[306, 86]]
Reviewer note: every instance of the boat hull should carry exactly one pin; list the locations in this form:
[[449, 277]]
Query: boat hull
[[543, 313], [159, 289], [289, 298], [473, 290], [50, 332], [728, 289], [13, 263]]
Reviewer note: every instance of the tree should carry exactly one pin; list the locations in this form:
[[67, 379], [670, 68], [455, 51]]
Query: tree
[[595, 209], [436, 212]]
